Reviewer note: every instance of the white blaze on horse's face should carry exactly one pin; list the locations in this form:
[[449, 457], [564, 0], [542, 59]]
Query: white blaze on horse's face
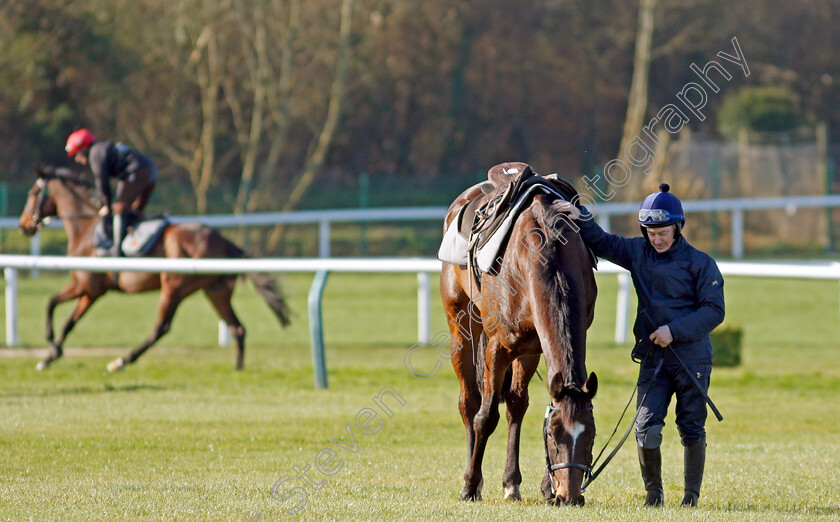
[[575, 431]]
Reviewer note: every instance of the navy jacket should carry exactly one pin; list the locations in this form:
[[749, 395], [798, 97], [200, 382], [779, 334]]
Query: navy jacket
[[681, 287], [109, 159]]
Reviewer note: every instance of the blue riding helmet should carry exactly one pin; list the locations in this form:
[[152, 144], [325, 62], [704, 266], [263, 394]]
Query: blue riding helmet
[[661, 209]]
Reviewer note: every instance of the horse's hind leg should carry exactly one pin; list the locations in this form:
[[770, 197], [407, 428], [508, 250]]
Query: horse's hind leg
[[485, 421], [219, 294], [465, 338], [516, 398], [469, 401], [171, 295]]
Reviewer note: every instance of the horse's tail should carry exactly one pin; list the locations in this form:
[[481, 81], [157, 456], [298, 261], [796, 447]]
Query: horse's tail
[[266, 285], [506, 382], [272, 294]]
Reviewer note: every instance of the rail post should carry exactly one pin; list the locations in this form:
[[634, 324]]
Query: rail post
[[35, 250], [737, 233], [11, 306], [316, 330], [622, 308], [4, 209], [423, 308], [324, 238]]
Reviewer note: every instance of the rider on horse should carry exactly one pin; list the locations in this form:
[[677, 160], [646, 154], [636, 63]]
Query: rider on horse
[[681, 289], [136, 175]]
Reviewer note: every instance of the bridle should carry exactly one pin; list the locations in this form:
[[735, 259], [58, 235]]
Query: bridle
[[39, 221], [586, 468]]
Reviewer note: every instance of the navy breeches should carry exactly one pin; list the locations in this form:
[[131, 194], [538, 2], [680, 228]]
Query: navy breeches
[[671, 380]]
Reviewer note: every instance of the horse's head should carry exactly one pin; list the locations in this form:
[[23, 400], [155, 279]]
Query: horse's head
[[569, 434], [40, 204], [57, 190]]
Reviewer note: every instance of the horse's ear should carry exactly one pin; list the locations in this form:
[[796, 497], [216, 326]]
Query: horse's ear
[[44, 171], [556, 388], [590, 387]]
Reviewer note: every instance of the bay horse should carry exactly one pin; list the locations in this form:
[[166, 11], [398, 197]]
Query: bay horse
[[72, 198], [540, 301]]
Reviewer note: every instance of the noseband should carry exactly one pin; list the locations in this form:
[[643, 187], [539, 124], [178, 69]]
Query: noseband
[[586, 468]]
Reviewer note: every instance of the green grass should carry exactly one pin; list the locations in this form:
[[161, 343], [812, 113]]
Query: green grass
[[181, 436]]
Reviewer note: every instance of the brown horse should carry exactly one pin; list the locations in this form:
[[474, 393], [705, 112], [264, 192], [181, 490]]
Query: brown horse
[[539, 300], [67, 195]]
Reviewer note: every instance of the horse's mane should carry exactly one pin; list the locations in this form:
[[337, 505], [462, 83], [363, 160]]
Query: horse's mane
[[82, 180], [556, 226], [554, 220]]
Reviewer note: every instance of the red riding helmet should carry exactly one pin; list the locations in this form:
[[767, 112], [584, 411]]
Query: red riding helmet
[[82, 139]]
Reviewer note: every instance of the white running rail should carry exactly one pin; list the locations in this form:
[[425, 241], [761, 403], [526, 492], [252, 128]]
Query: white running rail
[[737, 207], [421, 266]]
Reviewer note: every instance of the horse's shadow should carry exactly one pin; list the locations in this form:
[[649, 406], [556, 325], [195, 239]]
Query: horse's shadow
[[92, 390]]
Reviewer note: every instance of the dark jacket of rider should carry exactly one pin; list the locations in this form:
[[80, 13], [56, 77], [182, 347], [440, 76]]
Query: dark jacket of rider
[[110, 159], [681, 287]]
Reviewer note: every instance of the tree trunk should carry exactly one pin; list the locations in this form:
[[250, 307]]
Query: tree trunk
[[209, 107], [637, 100], [315, 159], [251, 139], [280, 106]]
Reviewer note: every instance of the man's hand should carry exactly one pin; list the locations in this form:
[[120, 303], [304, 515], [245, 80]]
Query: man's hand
[[662, 336], [104, 211], [566, 208]]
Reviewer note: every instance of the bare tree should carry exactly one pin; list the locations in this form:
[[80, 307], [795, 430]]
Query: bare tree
[[248, 122], [638, 97], [186, 125], [315, 159]]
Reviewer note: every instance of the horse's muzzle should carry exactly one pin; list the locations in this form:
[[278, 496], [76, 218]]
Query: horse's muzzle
[[575, 501], [578, 501]]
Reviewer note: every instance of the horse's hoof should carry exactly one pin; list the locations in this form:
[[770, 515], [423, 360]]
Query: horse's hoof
[[469, 495], [41, 366], [512, 493], [116, 365]]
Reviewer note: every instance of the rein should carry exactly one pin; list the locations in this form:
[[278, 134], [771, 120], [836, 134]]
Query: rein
[[642, 401], [612, 454]]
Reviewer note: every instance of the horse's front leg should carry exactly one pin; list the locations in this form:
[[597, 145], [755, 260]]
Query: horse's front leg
[[485, 421], [516, 398], [72, 291]]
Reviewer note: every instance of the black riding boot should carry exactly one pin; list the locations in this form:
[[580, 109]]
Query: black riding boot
[[651, 463], [694, 461]]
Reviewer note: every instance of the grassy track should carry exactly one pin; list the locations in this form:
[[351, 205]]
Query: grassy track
[[181, 436]]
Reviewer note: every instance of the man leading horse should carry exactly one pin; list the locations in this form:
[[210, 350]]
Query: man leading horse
[[680, 289]]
